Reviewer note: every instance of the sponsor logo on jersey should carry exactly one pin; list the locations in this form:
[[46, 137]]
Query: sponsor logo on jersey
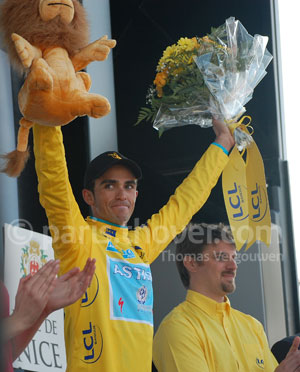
[[111, 248], [130, 291], [142, 294], [260, 363], [140, 252], [92, 292], [92, 341], [121, 303], [128, 253], [111, 232]]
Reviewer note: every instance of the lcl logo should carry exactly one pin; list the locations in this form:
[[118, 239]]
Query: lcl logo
[[93, 343], [235, 199], [259, 203]]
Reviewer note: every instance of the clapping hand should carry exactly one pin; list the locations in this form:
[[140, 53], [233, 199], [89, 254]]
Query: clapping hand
[[71, 286]]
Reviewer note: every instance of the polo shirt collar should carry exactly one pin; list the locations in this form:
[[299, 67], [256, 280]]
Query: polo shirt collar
[[207, 304]]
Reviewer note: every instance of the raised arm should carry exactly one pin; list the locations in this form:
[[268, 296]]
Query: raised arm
[[68, 228], [188, 198]]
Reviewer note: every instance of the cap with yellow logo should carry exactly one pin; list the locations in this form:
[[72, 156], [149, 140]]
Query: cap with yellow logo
[[105, 161]]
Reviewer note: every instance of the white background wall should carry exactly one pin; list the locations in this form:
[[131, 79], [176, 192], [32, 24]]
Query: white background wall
[[103, 132], [8, 186]]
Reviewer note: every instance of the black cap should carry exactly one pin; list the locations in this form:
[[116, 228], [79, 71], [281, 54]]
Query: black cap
[[105, 161]]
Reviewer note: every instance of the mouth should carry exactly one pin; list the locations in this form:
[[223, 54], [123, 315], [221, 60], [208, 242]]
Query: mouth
[[60, 4], [229, 274], [120, 206]]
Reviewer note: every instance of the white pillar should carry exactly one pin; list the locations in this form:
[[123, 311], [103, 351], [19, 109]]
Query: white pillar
[[102, 132], [8, 186]]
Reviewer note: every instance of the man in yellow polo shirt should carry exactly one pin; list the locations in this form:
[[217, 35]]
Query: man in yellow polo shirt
[[204, 333]]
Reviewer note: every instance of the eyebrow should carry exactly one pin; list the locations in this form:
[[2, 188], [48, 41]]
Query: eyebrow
[[129, 182], [225, 253]]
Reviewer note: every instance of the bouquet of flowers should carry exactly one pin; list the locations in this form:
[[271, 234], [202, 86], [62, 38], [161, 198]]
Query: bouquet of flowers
[[212, 76]]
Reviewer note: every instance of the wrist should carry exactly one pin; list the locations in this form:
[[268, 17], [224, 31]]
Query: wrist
[[226, 152], [226, 141], [46, 312], [15, 325]]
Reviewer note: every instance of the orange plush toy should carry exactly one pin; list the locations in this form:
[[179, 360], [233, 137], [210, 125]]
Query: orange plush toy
[[48, 42]]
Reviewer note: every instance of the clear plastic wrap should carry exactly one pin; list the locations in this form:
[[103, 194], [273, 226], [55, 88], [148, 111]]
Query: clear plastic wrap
[[200, 78]]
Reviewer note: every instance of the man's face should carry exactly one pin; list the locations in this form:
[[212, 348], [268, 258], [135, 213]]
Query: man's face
[[114, 195], [215, 276]]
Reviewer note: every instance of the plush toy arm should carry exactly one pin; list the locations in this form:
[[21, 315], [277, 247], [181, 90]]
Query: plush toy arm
[[25, 50], [96, 51]]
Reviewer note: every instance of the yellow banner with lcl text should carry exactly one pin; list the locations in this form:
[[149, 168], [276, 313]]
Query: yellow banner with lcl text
[[234, 184], [259, 210], [246, 199]]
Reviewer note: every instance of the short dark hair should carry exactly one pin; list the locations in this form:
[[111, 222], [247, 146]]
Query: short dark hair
[[194, 239]]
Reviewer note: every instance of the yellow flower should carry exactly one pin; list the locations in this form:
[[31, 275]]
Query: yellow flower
[[186, 44]]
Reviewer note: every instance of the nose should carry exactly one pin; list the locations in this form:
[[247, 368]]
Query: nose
[[232, 265], [121, 194]]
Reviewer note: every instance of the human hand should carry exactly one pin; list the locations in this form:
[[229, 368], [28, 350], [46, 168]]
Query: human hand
[[33, 294], [71, 286], [291, 362], [223, 135]]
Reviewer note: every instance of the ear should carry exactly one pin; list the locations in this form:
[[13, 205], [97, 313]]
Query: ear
[[190, 264], [88, 197]]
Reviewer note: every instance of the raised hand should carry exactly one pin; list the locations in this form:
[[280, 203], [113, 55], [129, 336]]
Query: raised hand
[[223, 135], [291, 362], [33, 294], [71, 286]]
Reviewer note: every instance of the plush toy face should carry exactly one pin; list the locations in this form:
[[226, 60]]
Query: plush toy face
[[50, 9], [44, 23]]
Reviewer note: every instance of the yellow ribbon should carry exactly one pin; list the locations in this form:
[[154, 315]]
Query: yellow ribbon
[[233, 124]]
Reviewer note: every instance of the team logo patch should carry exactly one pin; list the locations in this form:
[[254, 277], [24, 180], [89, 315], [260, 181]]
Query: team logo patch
[[142, 294], [260, 363], [32, 258]]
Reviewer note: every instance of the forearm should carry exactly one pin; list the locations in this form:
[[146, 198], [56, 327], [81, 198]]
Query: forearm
[[18, 333], [20, 341], [12, 327], [189, 197]]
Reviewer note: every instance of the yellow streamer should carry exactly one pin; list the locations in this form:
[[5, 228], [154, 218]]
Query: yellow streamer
[[245, 192]]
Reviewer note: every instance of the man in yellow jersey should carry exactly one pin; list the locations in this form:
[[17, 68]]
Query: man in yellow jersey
[[204, 333], [111, 328]]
